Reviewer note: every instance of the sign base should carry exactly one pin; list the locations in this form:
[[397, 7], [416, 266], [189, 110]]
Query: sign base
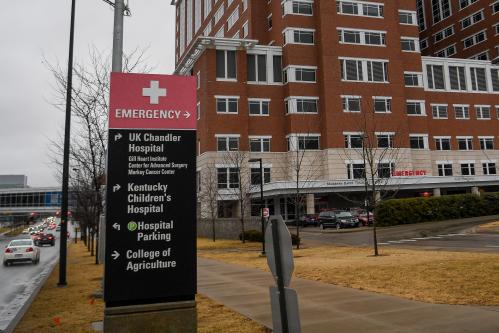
[[162, 317]]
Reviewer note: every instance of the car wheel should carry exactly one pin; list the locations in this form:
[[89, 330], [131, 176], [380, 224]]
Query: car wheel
[[6, 263], [338, 226]]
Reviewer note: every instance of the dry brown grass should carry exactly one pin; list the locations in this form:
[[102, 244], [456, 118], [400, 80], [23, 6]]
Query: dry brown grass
[[492, 227], [431, 276], [76, 311]]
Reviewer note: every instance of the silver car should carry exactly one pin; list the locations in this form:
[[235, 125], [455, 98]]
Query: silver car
[[21, 250]]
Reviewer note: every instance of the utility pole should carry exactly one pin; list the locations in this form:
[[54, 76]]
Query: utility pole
[[65, 167], [119, 9]]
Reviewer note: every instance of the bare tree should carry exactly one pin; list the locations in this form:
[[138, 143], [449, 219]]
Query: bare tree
[[239, 182], [90, 106], [380, 152], [208, 195]]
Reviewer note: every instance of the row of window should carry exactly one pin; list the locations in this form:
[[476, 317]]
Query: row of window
[[457, 77], [380, 104], [229, 177], [353, 140]]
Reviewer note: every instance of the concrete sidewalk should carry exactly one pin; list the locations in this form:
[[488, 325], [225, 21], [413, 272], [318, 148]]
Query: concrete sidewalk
[[332, 309]]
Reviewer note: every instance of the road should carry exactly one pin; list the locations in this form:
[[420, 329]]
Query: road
[[19, 281], [455, 235]]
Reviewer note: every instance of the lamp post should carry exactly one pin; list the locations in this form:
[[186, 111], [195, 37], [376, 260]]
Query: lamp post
[[261, 202], [65, 166]]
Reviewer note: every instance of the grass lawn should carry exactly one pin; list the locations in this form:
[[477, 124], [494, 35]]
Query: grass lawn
[[430, 276], [72, 310]]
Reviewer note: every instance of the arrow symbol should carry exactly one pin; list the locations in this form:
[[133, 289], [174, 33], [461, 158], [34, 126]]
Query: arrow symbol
[[115, 255], [117, 137], [116, 226], [116, 187], [187, 114]]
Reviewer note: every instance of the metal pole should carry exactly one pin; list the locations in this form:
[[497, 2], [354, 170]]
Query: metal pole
[[65, 168], [119, 8], [261, 208]]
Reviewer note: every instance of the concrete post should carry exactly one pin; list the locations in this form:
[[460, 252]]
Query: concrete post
[[310, 203], [436, 192], [475, 190]]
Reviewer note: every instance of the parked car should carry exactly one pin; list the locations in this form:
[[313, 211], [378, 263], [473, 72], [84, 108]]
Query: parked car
[[363, 218], [309, 219], [20, 250], [337, 219], [43, 239]]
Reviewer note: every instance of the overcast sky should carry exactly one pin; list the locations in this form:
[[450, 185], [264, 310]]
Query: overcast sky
[[33, 29]]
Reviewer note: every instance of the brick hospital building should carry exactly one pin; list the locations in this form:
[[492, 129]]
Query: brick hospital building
[[321, 79]]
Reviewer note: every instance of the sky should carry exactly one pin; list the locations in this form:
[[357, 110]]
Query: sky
[[31, 30]]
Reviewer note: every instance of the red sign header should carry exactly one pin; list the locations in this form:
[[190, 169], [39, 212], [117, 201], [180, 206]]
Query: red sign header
[[152, 101]]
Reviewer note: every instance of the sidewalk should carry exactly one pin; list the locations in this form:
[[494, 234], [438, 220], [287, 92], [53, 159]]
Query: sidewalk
[[329, 308]]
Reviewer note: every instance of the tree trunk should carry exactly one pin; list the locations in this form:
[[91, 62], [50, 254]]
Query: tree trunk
[[92, 244], [213, 228], [97, 246], [375, 237]]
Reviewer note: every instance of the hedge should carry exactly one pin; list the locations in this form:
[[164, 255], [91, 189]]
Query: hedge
[[256, 236], [416, 210]]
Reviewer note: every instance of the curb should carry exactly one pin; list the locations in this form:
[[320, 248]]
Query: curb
[[27, 303]]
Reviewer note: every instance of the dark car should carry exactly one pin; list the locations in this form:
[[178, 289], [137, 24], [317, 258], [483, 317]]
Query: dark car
[[337, 219], [43, 239], [309, 219]]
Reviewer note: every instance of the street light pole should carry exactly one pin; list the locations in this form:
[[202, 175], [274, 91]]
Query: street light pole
[[119, 8], [261, 203], [65, 166]]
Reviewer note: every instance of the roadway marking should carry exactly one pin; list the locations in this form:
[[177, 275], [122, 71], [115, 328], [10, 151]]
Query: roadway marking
[[492, 246]]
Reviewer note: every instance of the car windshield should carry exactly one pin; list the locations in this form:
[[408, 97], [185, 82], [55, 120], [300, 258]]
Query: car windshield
[[20, 243], [344, 214]]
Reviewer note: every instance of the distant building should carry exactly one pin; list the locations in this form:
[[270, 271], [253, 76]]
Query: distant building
[[275, 77], [13, 181]]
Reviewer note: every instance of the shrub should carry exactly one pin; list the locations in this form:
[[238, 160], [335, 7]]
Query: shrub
[[256, 236], [415, 210]]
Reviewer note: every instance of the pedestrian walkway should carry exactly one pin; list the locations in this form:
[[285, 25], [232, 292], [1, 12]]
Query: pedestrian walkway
[[418, 239], [332, 309]]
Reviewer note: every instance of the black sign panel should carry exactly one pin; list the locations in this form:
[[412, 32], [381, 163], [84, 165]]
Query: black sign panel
[[150, 217]]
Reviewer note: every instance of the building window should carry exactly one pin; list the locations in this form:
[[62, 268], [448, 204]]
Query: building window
[[486, 143], [472, 19], [301, 105], [258, 107], [353, 70], [443, 34], [444, 169], [415, 108], [385, 140], [303, 8], [299, 36], [409, 44], [269, 22], [465, 143], [462, 111], [382, 104], [351, 103], [308, 143], [457, 78], [440, 10], [227, 143], [439, 111], [466, 3], [468, 169], [421, 15], [227, 104], [259, 144], [228, 178], [489, 168], [406, 17], [305, 74], [226, 65], [418, 141], [233, 18], [277, 68], [475, 39], [362, 37], [478, 79], [385, 170], [257, 67], [442, 143], [255, 175], [447, 52], [482, 112], [412, 79], [359, 9], [353, 140], [355, 171], [436, 79]]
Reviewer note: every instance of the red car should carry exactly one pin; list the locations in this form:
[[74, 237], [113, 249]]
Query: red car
[[363, 218], [42, 239]]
